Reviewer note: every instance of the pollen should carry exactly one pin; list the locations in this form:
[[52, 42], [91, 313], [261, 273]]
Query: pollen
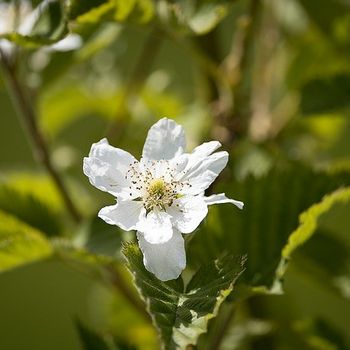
[[157, 188], [154, 184], [160, 194]]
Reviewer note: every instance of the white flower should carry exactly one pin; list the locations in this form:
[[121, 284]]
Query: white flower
[[20, 17], [162, 195]]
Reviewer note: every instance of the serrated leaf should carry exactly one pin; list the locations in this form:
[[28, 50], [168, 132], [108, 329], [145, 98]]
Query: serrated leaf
[[19, 243], [182, 314], [261, 230]]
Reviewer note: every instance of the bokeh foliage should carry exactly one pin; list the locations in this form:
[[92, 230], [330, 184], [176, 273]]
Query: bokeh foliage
[[268, 79]]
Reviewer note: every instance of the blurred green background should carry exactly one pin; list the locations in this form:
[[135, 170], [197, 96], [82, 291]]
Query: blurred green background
[[270, 80]]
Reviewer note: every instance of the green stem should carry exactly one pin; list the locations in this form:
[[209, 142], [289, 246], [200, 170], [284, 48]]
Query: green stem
[[28, 118]]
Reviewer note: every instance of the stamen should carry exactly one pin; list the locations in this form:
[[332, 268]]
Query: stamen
[[155, 192]]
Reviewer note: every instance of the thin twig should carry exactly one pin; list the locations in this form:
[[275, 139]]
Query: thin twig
[[29, 119]]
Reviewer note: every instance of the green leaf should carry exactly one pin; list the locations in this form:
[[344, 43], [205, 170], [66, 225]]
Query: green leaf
[[28, 41], [181, 313], [91, 12], [261, 230], [308, 225], [36, 185], [30, 210], [19, 243], [59, 110]]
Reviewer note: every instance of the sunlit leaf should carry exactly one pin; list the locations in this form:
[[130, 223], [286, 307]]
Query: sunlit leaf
[[36, 185], [113, 10], [308, 224], [181, 313], [19, 243], [30, 210]]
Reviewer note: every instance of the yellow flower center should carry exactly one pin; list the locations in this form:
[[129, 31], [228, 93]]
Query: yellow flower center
[[157, 188], [160, 194]]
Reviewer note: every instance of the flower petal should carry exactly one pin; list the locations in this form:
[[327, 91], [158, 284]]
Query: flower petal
[[166, 261], [206, 148], [165, 140], [221, 198], [156, 227], [201, 171], [106, 168], [125, 214], [188, 212]]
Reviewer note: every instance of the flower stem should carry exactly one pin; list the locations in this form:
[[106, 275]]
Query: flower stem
[[28, 118]]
